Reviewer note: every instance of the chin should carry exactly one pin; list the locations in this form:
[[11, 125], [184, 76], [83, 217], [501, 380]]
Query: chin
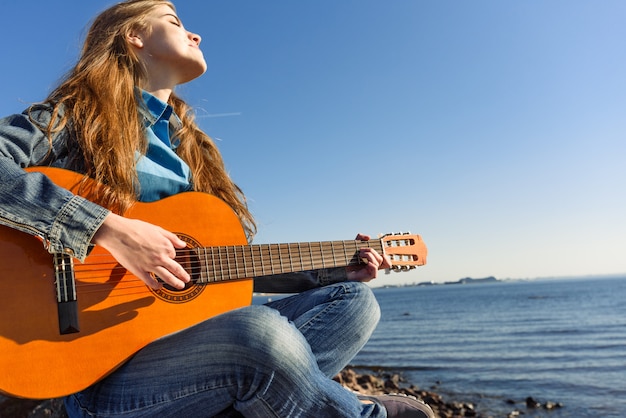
[[193, 72]]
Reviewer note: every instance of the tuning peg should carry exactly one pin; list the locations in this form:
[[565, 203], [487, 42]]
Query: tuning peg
[[401, 268]]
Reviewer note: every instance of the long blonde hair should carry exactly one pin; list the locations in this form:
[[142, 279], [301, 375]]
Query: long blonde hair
[[97, 101]]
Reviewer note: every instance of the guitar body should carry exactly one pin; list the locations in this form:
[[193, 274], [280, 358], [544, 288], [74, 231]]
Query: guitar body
[[117, 313]]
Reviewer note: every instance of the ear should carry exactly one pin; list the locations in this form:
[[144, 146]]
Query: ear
[[135, 38]]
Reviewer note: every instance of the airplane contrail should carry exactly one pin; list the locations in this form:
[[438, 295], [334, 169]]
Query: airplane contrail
[[218, 115]]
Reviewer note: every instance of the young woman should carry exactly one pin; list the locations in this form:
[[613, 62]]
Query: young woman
[[116, 119]]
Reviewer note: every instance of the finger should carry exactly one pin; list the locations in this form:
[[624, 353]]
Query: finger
[[362, 237], [174, 239], [169, 278], [150, 280], [386, 263], [372, 256], [372, 270], [383, 261], [177, 270]]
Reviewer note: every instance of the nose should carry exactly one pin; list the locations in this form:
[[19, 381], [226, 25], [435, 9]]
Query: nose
[[194, 37]]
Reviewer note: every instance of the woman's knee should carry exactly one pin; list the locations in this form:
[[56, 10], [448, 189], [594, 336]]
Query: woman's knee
[[261, 335], [363, 302]]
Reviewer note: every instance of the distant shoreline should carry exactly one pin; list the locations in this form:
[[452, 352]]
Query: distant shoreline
[[492, 279]]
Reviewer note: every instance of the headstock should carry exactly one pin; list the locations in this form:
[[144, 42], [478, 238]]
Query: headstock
[[406, 251]]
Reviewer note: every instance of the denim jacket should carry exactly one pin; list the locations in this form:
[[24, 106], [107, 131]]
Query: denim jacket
[[31, 203]]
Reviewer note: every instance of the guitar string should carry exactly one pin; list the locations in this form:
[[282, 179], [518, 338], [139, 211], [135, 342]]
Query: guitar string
[[243, 254], [102, 269], [188, 256]]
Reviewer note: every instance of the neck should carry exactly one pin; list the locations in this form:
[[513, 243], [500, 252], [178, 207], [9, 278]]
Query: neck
[[160, 93], [158, 84]]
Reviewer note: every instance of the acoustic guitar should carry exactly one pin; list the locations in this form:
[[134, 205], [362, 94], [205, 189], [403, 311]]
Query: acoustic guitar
[[64, 325]]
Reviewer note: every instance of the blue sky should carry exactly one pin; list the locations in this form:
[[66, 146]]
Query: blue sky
[[494, 129]]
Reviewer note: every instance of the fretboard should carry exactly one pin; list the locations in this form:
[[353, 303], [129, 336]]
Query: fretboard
[[246, 261]]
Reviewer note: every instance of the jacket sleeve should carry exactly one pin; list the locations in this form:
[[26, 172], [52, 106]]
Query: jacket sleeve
[[32, 203], [299, 281]]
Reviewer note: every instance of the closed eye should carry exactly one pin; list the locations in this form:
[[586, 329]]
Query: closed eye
[[175, 20]]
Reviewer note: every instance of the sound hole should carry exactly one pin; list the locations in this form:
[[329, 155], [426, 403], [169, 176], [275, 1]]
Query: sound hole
[[189, 260]]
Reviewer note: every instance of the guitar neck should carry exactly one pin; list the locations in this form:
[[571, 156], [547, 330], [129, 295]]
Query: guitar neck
[[245, 261]]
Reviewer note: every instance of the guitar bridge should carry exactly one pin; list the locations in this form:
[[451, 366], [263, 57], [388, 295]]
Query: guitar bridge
[[66, 294]]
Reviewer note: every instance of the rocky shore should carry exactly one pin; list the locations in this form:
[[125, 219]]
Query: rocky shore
[[374, 383], [364, 382]]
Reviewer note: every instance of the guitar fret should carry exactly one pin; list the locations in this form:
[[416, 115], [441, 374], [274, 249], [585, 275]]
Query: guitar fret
[[243, 272], [254, 273], [269, 248], [232, 258], [311, 254], [235, 262], [256, 266], [272, 255], [265, 255], [244, 268], [277, 254], [311, 262], [261, 258], [204, 271], [232, 262], [241, 254], [300, 257], [258, 270], [228, 264], [229, 261], [221, 261], [279, 249], [288, 260], [235, 256], [280, 259], [251, 260], [213, 264], [278, 262], [321, 254]]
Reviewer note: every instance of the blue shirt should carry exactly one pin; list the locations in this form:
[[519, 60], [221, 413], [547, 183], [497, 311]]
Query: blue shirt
[[161, 172]]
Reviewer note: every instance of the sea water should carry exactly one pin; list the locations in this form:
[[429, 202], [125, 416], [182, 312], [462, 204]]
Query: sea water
[[492, 344], [553, 340]]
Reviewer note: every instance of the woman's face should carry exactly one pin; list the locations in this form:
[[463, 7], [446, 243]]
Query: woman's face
[[168, 50]]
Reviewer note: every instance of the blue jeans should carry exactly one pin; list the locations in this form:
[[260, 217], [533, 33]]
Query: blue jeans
[[274, 360]]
